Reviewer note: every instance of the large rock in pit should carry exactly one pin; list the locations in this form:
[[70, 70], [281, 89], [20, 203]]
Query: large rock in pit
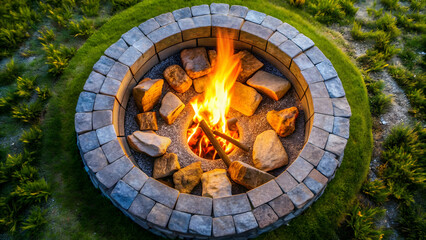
[[147, 93], [216, 184], [249, 65], [284, 121], [268, 151], [273, 86], [245, 99], [188, 177], [177, 78], [165, 165], [200, 83], [212, 57], [195, 62], [248, 176], [171, 106], [149, 143], [147, 121]]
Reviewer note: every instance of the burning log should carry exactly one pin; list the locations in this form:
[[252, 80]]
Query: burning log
[[232, 124], [231, 140], [215, 143]]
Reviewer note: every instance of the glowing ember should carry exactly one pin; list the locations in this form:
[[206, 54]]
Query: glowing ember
[[213, 104]]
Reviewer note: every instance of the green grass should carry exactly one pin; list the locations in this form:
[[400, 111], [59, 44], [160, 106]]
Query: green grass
[[82, 213]]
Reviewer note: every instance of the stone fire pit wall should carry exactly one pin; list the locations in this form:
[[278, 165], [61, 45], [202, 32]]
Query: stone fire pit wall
[[99, 123]]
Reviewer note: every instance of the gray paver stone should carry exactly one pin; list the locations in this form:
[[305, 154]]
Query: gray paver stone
[[106, 134], [231, 24], [123, 194], [104, 102], [264, 215], [160, 192], [182, 13], [327, 70], [323, 105], [289, 48], [165, 19], [318, 137], [299, 169], [95, 160], [316, 55], [115, 50], [341, 107], [194, 204], [300, 195], [159, 215], [102, 118], [219, 8], [103, 65], [271, 22], [132, 36], [223, 226], [315, 181], [166, 36], [179, 221], [328, 164], [85, 102], [195, 27], [110, 87], [302, 62], [282, 205], [312, 153], [318, 90], [131, 56], [323, 121], [341, 127], [88, 141], [303, 42], [83, 122], [264, 193], [148, 26], [335, 87], [200, 10], [201, 225], [238, 11], [255, 34], [288, 30], [145, 46], [135, 178], [231, 205], [118, 71], [276, 39], [94, 82], [336, 144], [312, 75], [255, 16], [141, 206], [286, 181], [112, 173], [113, 151], [245, 222]]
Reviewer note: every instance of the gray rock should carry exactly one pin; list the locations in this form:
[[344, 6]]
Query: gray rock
[[118, 71], [335, 87], [110, 87], [245, 99], [264, 215], [94, 82], [318, 137], [113, 151], [145, 46], [179, 221], [216, 184], [166, 36], [264, 193], [112, 173], [149, 143], [341, 107], [102, 118], [288, 30], [104, 102], [141, 206], [341, 127], [249, 64], [245, 222], [83, 122], [177, 78], [336, 144], [171, 107], [238, 11], [223, 226], [149, 26], [316, 55], [318, 90], [276, 39], [328, 164], [286, 181], [135, 178], [185, 179], [303, 42], [300, 63], [165, 19], [231, 205], [95, 160], [159, 215], [132, 36], [290, 49], [194, 204], [85, 102], [327, 70], [315, 181], [103, 65], [312, 75], [115, 50], [200, 10], [182, 13], [195, 61], [255, 16], [299, 169], [268, 151], [312, 154], [123, 194], [323, 105], [130, 57], [201, 225], [324, 122], [219, 8], [88, 141], [160, 192], [282, 205], [271, 22], [273, 86], [165, 165], [300, 195], [106, 134]]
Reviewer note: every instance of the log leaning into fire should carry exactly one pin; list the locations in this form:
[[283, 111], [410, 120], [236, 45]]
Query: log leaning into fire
[[215, 143], [231, 140]]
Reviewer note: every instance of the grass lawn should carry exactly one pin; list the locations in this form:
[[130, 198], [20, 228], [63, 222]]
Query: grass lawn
[[80, 212]]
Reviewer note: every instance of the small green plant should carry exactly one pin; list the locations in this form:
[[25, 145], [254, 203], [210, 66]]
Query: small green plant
[[10, 72], [379, 104], [376, 190], [28, 112], [412, 222], [90, 8], [32, 138], [361, 221], [387, 23], [8, 101], [46, 35], [35, 221], [417, 5], [297, 3], [43, 93], [122, 4], [373, 61], [58, 57], [357, 33], [12, 164], [25, 174], [408, 58], [61, 16], [31, 192], [25, 87], [390, 4], [84, 27], [375, 13]]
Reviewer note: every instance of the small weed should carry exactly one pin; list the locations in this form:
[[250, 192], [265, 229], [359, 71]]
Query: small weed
[[83, 27], [46, 35], [375, 13], [122, 4], [391, 4], [31, 192], [376, 190], [361, 221], [32, 138], [11, 71], [43, 93], [28, 112], [25, 87], [34, 222], [90, 8], [387, 23], [412, 222], [58, 57]]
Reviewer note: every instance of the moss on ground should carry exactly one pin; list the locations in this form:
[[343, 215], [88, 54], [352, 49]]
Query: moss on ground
[[81, 212]]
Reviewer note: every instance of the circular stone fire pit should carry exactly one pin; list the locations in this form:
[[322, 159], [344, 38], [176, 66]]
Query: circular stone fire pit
[[105, 117]]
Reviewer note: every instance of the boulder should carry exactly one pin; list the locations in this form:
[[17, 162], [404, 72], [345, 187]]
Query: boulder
[[248, 176], [249, 65], [268, 151], [284, 121], [216, 184], [195, 62], [147, 121], [273, 86], [188, 177], [212, 57], [245, 99], [200, 83], [177, 78], [165, 165], [147, 93], [171, 106], [149, 143]]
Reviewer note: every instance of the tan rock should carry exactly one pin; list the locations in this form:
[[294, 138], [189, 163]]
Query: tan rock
[[245, 99], [268, 151], [216, 184], [195, 62], [248, 176], [212, 57], [200, 83], [171, 106], [177, 78], [147, 121], [188, 177], [166, 165], [147, 93], [249, 65], [284, 121], [149, 143], [273, 86]]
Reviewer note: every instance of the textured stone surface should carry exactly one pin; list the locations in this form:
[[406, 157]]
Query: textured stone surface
[[94, 82], [318, 137], [195, 61], [283, 121], [179, 221], [271, 22], [286, 181], [171, 107], [123, 194], [299, 169], [268, 151], [185, 179], [264, 193], [115, 50], [145, 46], [147, 121], [238, 11], [118, 71], [316, 55], [159, 215], [276, 40], [324, 122], [132, 58], [328, 164], [110, 174], [323, 105], [95, 160], [255, 16], [335, 87], [249, 65], [303, 42], [164, 19], [103, 65], [288, 30], [165, 36], [247, 175], [245, 99], [85, 102], [195, 27], [299, 64], [147, 93], [327, 70], [110, 87], [102, 118], [312, 154], [132, 36], [177, 78], [106, 134], [231, 205], [245, 222], [282, 205], [149, 143], [336, 144], [182, 13], [200, 10], [148, 26], [223, 226], [300, 195], [83, 122], [200, 84], [201, 225], [271, 85], [318, 90], [255, 34], [135, 178], [290, 49], [141, 206], [315, 181], [160, 192], [341, 107], [219, 8], [165, 165], [230, 25], [216, 184], [341, 127], [311, 75], [113, 150], [194, 204], [104, 102], [264, 215]]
